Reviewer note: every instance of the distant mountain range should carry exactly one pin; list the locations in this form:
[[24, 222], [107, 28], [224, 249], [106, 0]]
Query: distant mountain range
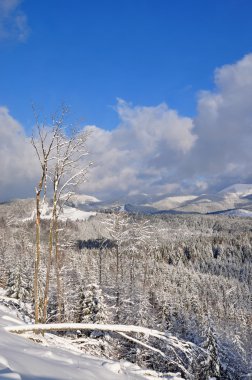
[[234, 200]]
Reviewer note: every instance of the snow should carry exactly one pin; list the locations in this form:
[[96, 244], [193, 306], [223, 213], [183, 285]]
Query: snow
[[172, 202], [75, 214], [81, 199], [87, 326], [22, 359], [232, 197], [241, 190], [68, 213], [238, 212]]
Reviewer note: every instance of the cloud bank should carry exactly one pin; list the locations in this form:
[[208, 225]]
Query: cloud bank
[[19, 169], [155, 150], [13, 22], [223, 125], [142, 152]]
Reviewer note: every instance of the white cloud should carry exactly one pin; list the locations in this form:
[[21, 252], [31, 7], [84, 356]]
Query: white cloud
[[223, 151], [13, 22], [154, 146], [141, 154], [154, 149], [18, 164]]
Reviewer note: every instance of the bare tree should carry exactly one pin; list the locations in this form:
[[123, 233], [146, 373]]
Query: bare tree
[[43, 141], [66, 174], [61, 154]]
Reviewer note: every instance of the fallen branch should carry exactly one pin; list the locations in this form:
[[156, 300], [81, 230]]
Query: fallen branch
[[85, 326], [119, 329]]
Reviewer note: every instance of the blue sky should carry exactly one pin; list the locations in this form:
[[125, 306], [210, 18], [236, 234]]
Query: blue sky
[[88, 53], [166, 84]]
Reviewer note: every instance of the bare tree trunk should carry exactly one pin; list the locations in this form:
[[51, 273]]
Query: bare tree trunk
[[58, 268], [48, 270], [100, 266], [37, 259], [50, 253], [117, 286], [38, 249]]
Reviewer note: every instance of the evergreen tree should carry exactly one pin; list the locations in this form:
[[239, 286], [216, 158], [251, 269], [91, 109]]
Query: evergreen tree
[[212, 365], [92, 307], [19, 285]]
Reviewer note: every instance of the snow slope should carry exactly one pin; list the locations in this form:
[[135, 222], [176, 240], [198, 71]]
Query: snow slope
[[237, 196], [67, 213], [82, 199], [22, 359], [172, 202], [237, 212], [73, 213], [239, 189]]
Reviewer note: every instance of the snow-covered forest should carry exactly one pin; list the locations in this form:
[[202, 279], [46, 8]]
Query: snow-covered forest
[[187, 276], [126, 190]]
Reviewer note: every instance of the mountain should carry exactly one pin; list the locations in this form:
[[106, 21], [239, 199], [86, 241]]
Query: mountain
[[173, 202], [238, 196], [78, 200], [232, 200], [240, 190]]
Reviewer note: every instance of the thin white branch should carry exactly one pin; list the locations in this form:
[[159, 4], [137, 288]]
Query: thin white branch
[[143, 344]]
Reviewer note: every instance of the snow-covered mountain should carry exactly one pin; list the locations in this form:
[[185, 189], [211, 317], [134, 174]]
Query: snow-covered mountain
[[235, 197], [232, 200], [173, 202], [78, 200], [238, 190]]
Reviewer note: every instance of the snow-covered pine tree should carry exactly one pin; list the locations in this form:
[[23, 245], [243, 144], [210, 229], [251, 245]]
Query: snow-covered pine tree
[[19, 285], [92, 306], [212, 366]]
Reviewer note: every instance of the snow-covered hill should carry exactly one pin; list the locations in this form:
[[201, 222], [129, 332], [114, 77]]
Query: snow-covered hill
[[238, 196], [78, 200], [171, 203], [67, 213], [238, 190]]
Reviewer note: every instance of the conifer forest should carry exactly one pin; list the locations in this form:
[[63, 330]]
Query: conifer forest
[[187, 276]]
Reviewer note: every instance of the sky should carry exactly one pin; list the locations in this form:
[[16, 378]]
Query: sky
[[166, 85]]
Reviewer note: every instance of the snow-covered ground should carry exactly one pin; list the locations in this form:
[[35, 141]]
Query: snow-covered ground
[[172, 202], [238, 212], [73, 213], [68, 213], [26, 360], [23, 359]]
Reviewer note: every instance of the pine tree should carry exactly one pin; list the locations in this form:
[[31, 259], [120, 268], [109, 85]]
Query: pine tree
[[92, 307], [212, 366], [19, 285]]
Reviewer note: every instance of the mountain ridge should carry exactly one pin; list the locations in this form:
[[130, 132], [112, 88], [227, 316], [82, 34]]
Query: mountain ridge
[[235, 200]]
